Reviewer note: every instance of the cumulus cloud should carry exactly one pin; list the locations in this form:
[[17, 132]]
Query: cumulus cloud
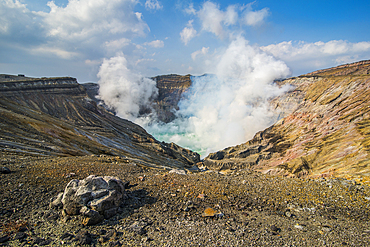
[[190, 9], [188, 33], [18, 25], [84, 19], [155, 43], [78, 28], [116, 44], [203, 51], [254, 18], [212, 18], [223, 22], [303, 56], [153, 4]]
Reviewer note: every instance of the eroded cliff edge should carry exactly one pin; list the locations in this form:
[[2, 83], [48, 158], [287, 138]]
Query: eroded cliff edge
[[55, 116], [325, 129]]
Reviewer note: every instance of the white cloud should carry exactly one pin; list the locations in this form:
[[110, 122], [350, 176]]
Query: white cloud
[[143, 60], [190, 10], [153, 4], [55, 51], [86, 19], [188, 32], [310, 56], [92, 62], [83, 30], [231, 15], [117, 44], [212, 17], [223, 23], [156, 43], [203, 51], [255, 18]]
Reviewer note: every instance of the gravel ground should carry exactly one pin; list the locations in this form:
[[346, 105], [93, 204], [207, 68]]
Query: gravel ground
[[232, 208]]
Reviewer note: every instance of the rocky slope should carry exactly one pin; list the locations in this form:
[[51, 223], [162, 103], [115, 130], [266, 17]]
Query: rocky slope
[[55, 116], [324, 130]]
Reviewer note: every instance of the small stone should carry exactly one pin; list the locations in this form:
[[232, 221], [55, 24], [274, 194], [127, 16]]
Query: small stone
[[274, 228], [84, 237], [178, 171], [201, 196], [57, 202], [137, 228], [72, 174], [44, 242], [298, 227], [67, 236], [326, 229], [4, 238], [20, 235], [210, 212], [288, 214], [38, 240], [4, 170], [114, 243]]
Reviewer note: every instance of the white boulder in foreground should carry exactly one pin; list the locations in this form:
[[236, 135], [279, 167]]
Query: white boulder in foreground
[[95, 198]]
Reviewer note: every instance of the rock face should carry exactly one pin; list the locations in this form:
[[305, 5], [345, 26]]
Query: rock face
[[55, 116], [95, 198], [324, 128], [170, 89]]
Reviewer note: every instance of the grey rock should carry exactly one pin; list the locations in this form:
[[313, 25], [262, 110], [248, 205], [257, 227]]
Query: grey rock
[[110, 213], [91, 217], [138, 227], [4, 238], [4, 170], [178, 171], [274, 228], [20, 235], [57, 202], [93, 197], [67, 236], [84, 237]]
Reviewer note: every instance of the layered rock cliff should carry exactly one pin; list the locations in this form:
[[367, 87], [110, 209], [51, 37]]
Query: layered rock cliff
[[324, 130], [170, 89], [55, 116]]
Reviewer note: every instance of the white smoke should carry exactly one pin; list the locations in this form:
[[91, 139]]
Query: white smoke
[[228, 107], [124, 90], [221, 109]]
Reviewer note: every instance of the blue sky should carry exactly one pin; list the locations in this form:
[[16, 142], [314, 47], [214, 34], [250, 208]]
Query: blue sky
[[72, 38]]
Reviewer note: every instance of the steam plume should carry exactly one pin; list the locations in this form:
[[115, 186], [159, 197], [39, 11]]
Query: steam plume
[[221, 109], [124, 90]]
